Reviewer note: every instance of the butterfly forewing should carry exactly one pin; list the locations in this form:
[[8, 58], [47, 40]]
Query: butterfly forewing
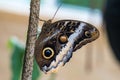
[[57, 41]]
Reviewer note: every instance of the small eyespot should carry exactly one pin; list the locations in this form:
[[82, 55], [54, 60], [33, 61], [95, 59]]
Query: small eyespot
[[88, 34], [63, 39], [48, 53]]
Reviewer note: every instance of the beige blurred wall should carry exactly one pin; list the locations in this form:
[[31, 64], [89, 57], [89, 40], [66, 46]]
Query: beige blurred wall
[[92, 62]]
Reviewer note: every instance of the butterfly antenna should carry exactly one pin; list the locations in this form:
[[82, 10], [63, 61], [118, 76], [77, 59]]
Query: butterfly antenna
[[56, 12]]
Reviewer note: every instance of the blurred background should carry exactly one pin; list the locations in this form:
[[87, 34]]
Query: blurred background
[[94, 61]]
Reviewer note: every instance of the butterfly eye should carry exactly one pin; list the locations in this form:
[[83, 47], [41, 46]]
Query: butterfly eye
[[87, 34], [63, 39], [48, 53]]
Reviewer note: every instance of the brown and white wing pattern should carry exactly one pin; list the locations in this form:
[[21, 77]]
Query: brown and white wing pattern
[[57, 42]]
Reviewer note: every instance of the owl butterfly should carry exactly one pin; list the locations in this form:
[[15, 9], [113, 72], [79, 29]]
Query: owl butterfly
[[57, 42]]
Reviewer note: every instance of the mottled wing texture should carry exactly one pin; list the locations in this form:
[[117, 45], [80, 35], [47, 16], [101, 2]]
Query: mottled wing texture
[[75, 33]]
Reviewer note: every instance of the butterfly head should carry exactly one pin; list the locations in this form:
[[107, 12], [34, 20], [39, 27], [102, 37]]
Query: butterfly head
[[56, 44]]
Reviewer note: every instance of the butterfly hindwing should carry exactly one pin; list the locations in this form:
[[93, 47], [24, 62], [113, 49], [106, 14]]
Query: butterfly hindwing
[[57, 41]]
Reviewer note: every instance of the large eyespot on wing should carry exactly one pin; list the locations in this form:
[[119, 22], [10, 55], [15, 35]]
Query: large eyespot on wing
[[47, 53]]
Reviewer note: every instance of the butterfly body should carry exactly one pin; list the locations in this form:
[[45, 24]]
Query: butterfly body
[[57, 42]]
